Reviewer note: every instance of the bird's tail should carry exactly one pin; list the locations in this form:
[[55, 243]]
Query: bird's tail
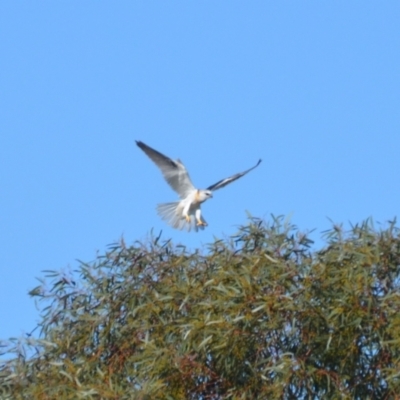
[[172, 213]]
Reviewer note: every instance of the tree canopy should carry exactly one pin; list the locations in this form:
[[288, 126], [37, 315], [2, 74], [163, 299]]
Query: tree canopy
[[260, 315]]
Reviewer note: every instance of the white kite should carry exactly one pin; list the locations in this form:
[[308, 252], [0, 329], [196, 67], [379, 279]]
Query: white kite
[[179, 213]]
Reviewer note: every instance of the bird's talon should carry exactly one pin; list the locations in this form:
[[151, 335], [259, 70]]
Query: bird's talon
[[187, 218], [201, 223]]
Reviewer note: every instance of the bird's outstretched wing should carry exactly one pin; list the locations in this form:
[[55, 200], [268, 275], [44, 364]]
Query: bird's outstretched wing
[[174, 172], [223, 182]]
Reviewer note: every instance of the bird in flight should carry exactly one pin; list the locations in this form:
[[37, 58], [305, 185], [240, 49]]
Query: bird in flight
[[185, 213]]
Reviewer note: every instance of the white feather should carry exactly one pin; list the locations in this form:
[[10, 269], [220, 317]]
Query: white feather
[[172, 213]]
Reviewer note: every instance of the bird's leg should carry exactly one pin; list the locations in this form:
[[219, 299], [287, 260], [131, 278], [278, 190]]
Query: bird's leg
[[185, 211], [198, 218]]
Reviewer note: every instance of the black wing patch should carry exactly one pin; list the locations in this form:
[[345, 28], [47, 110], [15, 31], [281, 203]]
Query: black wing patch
[[223, 182], [159, 158]]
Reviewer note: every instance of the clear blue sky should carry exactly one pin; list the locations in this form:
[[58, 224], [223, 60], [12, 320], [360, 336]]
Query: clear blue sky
[[311, 87]]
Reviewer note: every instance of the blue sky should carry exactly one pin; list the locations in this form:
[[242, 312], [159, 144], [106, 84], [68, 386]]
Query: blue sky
[[311, 87]]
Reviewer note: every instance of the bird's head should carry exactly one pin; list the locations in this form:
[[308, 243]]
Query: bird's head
[[204, 195]]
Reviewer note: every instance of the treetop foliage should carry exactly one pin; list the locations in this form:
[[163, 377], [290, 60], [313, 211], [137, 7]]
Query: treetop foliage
[[260, 315]]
